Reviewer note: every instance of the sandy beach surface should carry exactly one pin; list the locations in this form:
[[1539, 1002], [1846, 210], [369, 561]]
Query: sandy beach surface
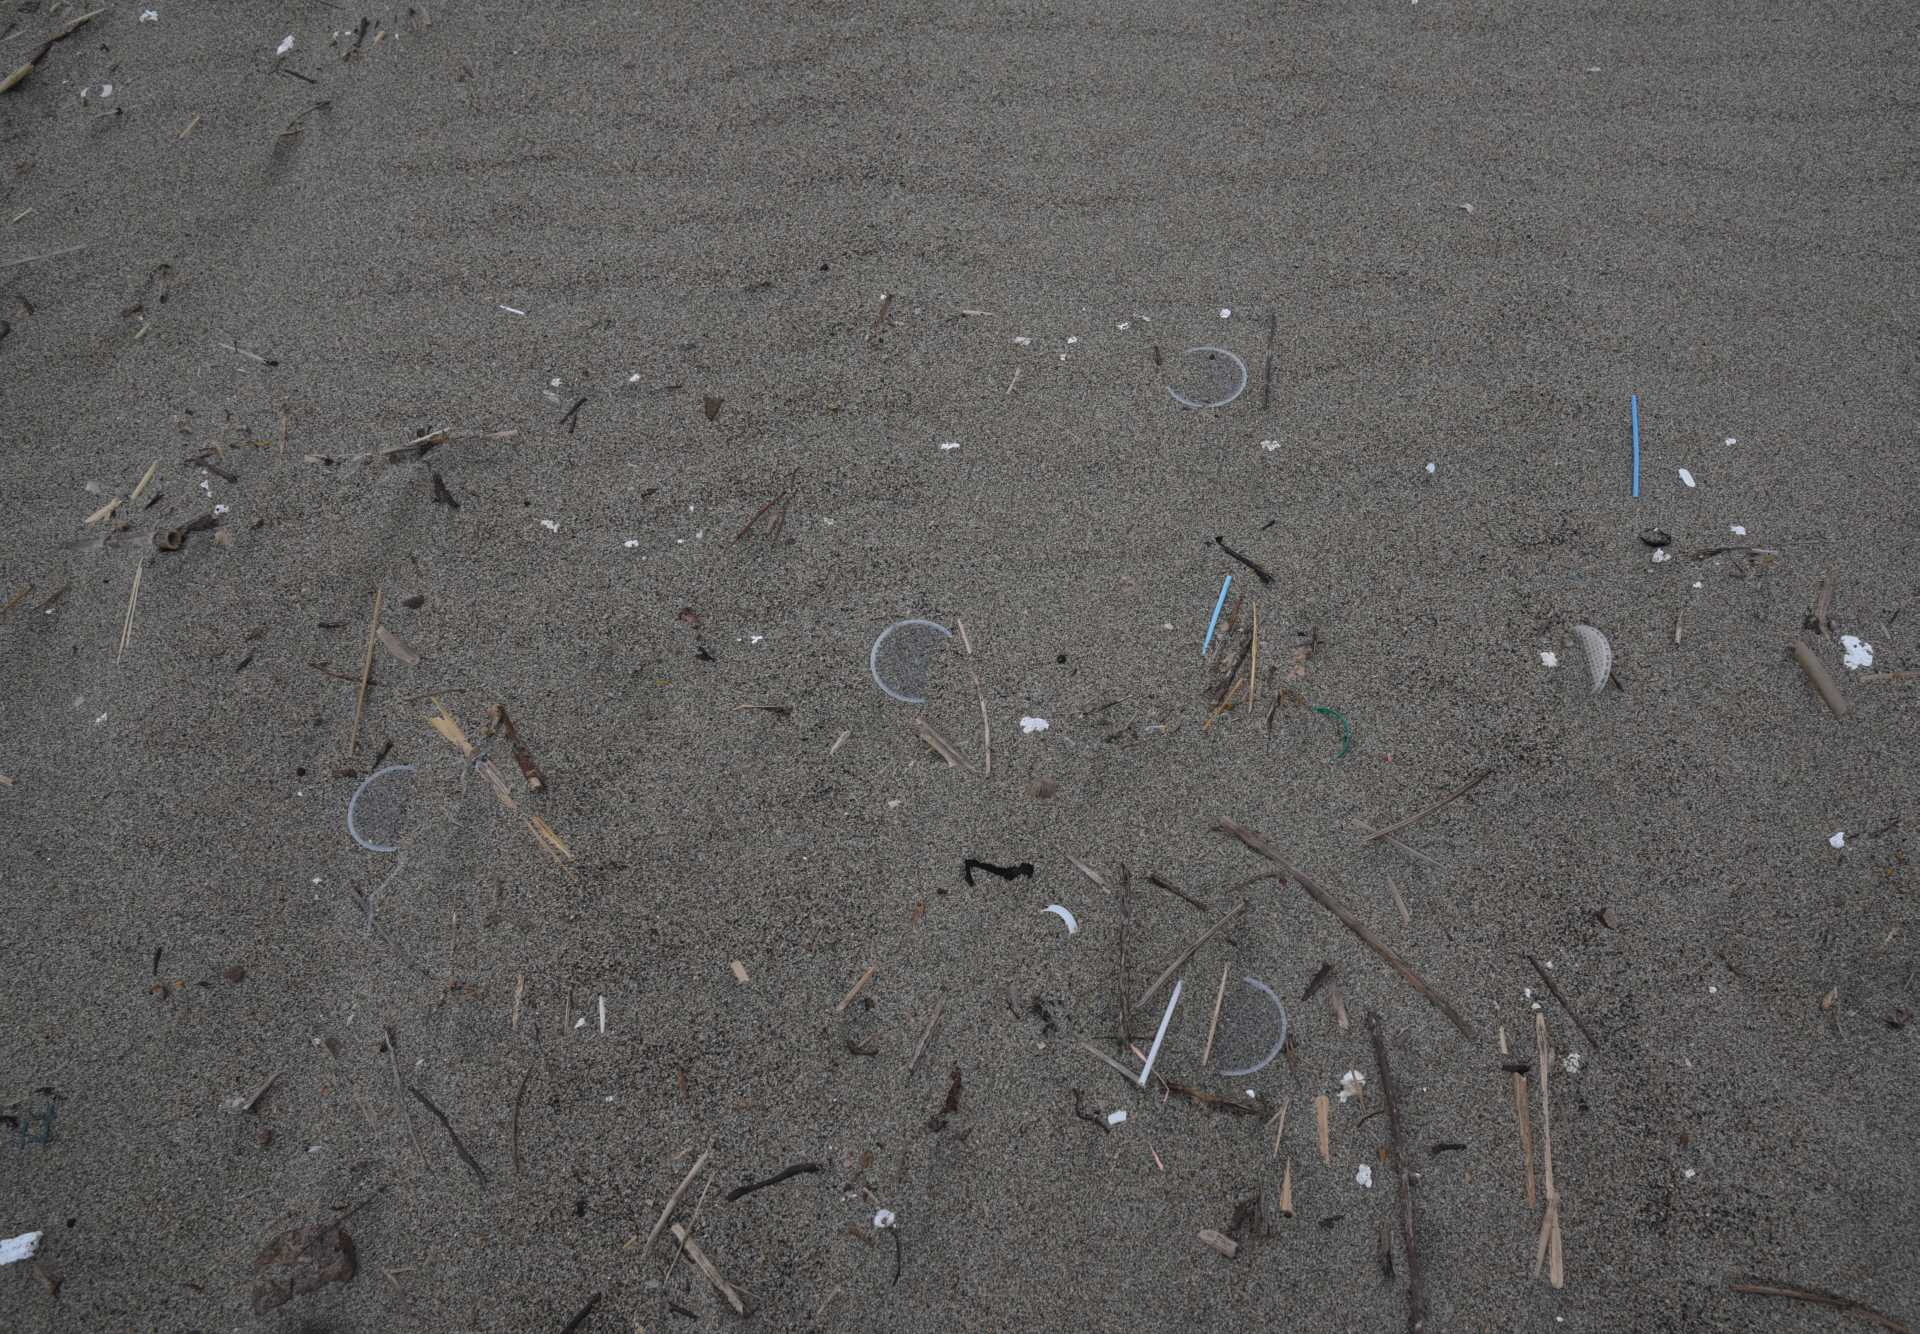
[[753, 330]]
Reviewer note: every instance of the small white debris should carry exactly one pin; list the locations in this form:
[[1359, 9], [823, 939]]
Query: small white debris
[[515, 310], [1364, 1177], [1839, 839], [1430, 469], [1073, 340], [945, 445], [1737, 530], [1032, 724], [21, 1247], [1269, 445], [149, 16], [1115, 1118], [1572, 1062], [1713, 991], [1352, 1084], [884, 1218], [1021, 340], [1698, 584], [754, 639], [1549, 659], [1687, 1173], [1124, 325], [285, 46], [1687, 477], [101, 719], [550, 525], [1731, 441], [631, 543], [1660, 555], [1226, 312], [1859, 652], [603, 1014], [220, 509], [1063, 915], [581, 1022], [1467, 207]]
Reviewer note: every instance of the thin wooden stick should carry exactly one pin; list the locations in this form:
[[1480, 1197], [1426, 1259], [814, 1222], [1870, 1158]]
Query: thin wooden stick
[[1821, 681], [1214, 1023], [133, 600], [1180, 893], [518, 1098], [940, 744], [695, 1254], [1320, 1109], [673, 1200], [1406, 918], [986, 726], [1525, 1115], [1282, 1119], [1413, 853], [1554, 987], [400, 1096], [1286, 1190], [1181, 958], [1815, 1296], [1420, 815], [920, 1048], [1352, 923], [366, 671], [1416, 1280], [856, 989], [692, 1223], [1549, 1248]]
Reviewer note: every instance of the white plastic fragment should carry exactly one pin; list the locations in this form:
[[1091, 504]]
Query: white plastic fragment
[[1352, 1084], [1032, 724], [286, 45], [945, 445], [1859, 652], [1738, 530], [1660, 555], [21, 1247], [1687, 477], [1063, 915], [1839, 839], [1270, 445], [1549, 659], [884, 1218], [515, 310], [1115, 1118], [149, 16], [1573, 1062], [632, 542], [1430, 469], [550, 525], [1364, 1177], [1226, 312], [1159, 1037]]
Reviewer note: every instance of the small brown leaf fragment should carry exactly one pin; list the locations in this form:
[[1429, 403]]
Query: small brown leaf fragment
[[711, 406], [235, 974], [301, 1260]]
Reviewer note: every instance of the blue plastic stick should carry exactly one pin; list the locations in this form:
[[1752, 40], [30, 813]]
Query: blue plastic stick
[[1636, 445], [1216, 615]]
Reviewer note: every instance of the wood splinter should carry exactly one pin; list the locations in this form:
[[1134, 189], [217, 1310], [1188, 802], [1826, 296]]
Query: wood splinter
[[1416, 1280], [498, 721], [720, 1285]]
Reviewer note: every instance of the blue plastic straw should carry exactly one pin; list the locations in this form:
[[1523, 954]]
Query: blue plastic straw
[[1216, 613], [1635, 399]]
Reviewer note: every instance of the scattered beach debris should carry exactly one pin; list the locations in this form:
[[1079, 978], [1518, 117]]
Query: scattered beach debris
[[1073, 926], [1206, 645], [1227, 1246], [1403, 1170], [1240, 387], [901, 658], [1816, 673], [1764, 1287], [23, 1247], [1599, 655], [785, 1174], [1859, 653], [1633, 402]]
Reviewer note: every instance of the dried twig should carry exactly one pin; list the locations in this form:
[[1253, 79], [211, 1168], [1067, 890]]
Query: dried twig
[[366, 672], [695, 1254], [1179, 893], [1214, 1023], [1320, 1109], [886, 304], [1416, 1280], [501, 722], [133, 600], [452, 1134], [920, 1047], [673, 1200], [1549, 1249], [1420, 815], [1524, 1112], [1766, 1287], [1181, 958], [856, 989], [1352, 923], [940, 744], [1554, 987], [986, 727], [518, 1098], [393, 1064], [1822, 682]]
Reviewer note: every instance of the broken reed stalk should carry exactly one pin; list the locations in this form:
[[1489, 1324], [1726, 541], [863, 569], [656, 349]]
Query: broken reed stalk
[[133, 600], [1420, 815], [1180, 959], [920, 1048], [673, 1200], [1214, 1023], [692, 1223], [856, 989], [986, 727], [1281, 1119], [1352, 923], [940, 744], [1549, 1249], [1416, 1279], [1320, 1109], [1796, 1292], [1253, 672], [695, 1254], [1821, 681], [1179, 893], [1523, 1112], [366, 671], [519, 1098]]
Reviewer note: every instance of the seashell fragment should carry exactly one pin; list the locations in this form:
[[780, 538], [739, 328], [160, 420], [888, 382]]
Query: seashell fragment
[[1599, 655]]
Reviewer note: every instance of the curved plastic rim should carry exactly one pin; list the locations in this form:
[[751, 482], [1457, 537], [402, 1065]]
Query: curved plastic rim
[[1238, 390], [1266, 991], [353, 805], [873, 658]]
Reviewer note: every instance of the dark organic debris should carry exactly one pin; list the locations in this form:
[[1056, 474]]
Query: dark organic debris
[[798, 1169], [301, 1260], [1091, 1118], [1004, 872], [1254, 565], [453, 1135], [938, 1121], [442, 496], [592, 1301], [710, 406], [1656, 537]]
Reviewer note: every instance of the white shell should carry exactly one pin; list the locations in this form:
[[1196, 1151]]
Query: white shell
[[1599, 655]]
